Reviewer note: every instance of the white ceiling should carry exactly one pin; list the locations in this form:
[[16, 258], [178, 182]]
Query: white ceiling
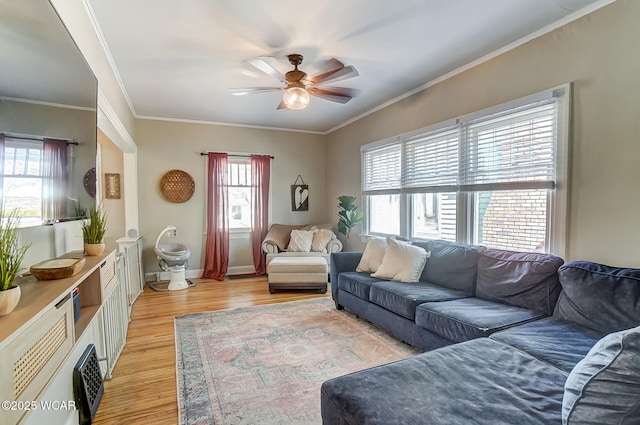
[[180, 59]]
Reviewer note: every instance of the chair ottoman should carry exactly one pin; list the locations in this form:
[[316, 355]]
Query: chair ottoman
[[297, 273]]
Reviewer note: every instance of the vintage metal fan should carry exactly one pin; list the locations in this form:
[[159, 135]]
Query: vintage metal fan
[[299, 86]]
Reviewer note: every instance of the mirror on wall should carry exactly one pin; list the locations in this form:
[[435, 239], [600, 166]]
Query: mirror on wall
[[48, 113]]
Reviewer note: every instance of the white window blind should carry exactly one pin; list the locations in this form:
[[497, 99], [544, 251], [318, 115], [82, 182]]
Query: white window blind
[[515, 150], [431, 161], [381, 169], [472, 178]]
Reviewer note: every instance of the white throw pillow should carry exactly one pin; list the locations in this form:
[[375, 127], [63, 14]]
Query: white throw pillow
[[402, 262], [372, 255], [321, 238], [300, 241]]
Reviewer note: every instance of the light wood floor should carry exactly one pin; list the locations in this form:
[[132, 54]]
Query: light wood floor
[[143, 387]]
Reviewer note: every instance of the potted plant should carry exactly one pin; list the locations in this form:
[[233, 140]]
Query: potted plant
[[93, 231], [348, 216], [11, 256]]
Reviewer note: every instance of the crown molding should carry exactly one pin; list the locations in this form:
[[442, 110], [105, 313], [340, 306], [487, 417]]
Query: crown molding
[[107, 52], [228, 124], [111, 125]]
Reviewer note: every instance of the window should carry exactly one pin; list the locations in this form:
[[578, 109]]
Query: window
[[22, 178], [433, 216], [489, 178], [384, 216], [239, 193], [511, 219]]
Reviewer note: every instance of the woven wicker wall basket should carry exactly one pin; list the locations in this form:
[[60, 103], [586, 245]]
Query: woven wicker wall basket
[[177, 186]]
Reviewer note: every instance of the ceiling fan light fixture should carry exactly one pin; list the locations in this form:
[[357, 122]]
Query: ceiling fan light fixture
[[296, 98]]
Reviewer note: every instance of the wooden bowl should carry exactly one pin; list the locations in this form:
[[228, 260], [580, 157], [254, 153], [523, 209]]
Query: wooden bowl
[[57, 268]]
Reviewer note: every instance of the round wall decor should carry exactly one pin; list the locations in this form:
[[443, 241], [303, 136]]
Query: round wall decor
[[89, 182], [177, 186]]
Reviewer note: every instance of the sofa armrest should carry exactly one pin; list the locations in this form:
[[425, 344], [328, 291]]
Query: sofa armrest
[[341, 262], [269, 246], [334, 245]]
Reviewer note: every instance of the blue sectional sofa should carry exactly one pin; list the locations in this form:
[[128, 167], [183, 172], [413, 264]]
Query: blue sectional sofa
[[506, 331], [464, 292]]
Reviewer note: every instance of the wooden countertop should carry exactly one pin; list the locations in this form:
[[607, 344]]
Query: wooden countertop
[[40, 295]]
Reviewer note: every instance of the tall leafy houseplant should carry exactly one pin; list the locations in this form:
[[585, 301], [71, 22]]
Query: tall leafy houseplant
[[348, 217], [11, 256], [93, 231]]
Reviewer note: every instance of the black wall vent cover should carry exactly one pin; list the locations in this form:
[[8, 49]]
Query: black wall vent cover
[[88, 386]]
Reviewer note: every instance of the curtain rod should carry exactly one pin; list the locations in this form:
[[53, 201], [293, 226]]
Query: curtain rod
[[39, 139], [236, 154]]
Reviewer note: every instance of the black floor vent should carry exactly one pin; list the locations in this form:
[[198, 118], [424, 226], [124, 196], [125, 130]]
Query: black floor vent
[[88, 386]]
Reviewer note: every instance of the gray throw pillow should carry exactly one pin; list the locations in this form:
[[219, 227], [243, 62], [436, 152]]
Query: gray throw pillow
[[604, 387]]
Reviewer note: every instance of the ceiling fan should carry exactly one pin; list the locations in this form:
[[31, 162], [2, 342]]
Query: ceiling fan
[[299, 86]]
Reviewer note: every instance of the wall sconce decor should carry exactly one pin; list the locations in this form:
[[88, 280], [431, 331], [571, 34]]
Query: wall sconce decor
[[112, 185]]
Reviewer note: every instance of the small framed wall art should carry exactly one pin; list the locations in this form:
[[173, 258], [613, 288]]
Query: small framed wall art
[[299, 195], [112, 185]]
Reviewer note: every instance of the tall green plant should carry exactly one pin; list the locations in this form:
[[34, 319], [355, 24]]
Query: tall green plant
[[348, 217], [93, 230], [11, 253]]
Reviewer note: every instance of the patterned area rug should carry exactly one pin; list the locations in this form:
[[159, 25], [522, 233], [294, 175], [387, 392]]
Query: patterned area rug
[[265, 364]]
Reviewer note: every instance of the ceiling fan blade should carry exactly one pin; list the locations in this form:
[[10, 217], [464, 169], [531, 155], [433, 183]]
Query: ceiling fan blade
[[328, 66], [335, 94], [264, 66], [253, 90], [336, 75]]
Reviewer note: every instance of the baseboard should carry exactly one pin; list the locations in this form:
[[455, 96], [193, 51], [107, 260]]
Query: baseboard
[[241, 270], [160, 276]]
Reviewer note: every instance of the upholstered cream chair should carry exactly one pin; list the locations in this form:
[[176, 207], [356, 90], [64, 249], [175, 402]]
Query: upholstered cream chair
[[278, 241]]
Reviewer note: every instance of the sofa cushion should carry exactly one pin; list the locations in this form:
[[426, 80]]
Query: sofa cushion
[[403, 298], [321, 238], [355, 283], [300, 241], [524, 279], [476, 382], [599, 297], [604, 387], [451, 265], [372, 255], [558, 342], [469, 318], [402, 262]]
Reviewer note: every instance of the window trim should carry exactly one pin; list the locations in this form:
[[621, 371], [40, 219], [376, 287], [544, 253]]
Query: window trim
[[557, 205]]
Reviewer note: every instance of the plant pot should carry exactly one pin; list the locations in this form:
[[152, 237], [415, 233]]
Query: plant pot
[[94, 248], [9, 299]]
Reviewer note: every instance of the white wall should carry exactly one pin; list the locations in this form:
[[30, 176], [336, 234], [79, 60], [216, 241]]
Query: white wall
[[597, 54], [164, 146]]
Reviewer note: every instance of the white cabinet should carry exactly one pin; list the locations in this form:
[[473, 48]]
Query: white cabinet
[[131, 257], [43, 338]]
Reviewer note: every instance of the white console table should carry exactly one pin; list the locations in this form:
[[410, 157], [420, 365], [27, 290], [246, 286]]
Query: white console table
[[40, 343]]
